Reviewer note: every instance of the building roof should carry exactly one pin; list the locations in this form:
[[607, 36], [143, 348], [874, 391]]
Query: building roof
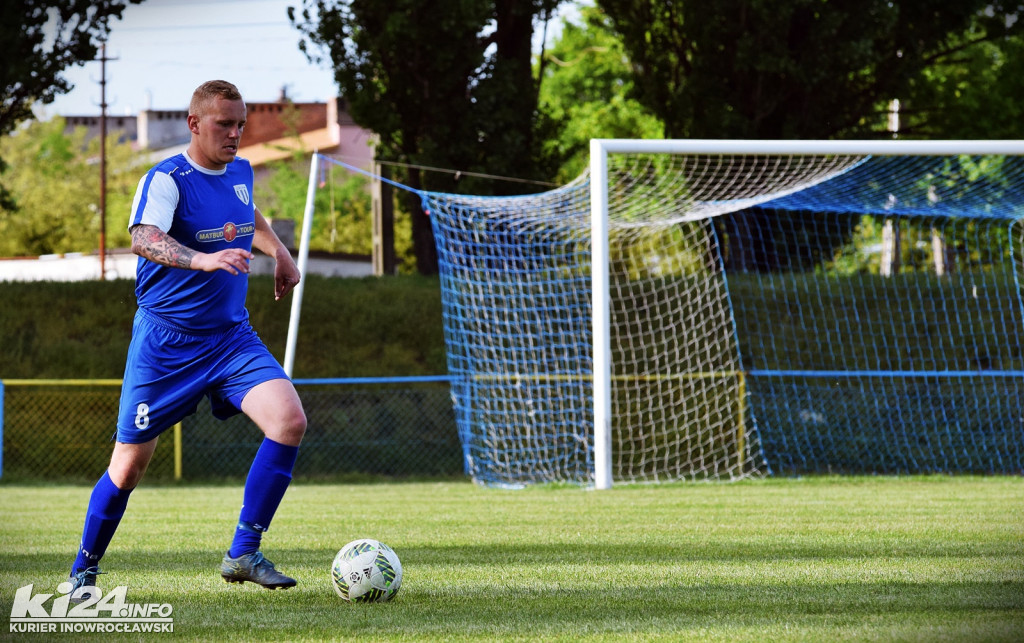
[[320, 140]]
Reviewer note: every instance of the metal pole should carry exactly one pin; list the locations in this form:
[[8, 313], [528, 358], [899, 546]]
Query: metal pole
[[600, 314], [307, 227], [103, 161], [1, 428]]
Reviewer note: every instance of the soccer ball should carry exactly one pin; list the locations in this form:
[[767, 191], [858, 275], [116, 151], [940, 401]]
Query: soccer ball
[[366, 571]]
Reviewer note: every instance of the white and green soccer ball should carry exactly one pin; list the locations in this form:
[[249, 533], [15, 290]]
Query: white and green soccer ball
[[366, 571]]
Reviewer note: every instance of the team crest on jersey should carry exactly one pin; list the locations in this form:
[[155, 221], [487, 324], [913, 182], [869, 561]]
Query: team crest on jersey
[[242, 192], [229, 232]]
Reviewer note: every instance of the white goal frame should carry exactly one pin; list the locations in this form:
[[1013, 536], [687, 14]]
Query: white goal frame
[[599, 151]]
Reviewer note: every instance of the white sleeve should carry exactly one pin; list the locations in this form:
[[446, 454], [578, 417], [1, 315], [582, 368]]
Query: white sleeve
[[160, 200]]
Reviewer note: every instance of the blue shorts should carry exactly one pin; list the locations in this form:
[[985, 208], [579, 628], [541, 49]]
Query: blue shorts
[[169, 370]]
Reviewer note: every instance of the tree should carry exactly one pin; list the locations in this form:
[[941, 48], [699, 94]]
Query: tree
[[795, 68], [442, 84], [53, 179], [971, 92], [585, 93], [41, 39]]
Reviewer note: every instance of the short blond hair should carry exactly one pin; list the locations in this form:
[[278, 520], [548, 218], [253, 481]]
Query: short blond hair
[[211, 89]]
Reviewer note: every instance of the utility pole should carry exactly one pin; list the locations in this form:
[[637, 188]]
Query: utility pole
[[103, 160]]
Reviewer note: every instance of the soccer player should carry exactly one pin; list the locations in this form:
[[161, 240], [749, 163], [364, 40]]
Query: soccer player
[[193, 224]]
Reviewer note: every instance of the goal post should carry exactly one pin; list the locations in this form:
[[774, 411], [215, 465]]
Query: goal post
[[303, 261], [601, 310], [953, 408], [600, 149]]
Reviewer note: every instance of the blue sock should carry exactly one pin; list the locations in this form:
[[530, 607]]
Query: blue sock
[[106, 506], [268, 479]]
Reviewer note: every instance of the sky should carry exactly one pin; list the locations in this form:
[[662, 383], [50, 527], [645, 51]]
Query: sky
[[164, 49], [167, 48]]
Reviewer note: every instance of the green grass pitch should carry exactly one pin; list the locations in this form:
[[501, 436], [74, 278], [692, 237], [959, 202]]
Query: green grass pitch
[[816, 559]]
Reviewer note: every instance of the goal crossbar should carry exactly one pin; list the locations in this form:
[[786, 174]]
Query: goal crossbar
[[799, 147]]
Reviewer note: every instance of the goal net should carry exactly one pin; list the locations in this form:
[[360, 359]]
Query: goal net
[[694, 310]]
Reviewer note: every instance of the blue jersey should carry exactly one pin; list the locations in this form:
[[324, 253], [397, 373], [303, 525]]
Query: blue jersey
[[206, 210]]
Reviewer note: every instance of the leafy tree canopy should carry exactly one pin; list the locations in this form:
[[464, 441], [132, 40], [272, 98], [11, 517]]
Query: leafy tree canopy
[[586, 92], [811, 68], [53, 179], [41, 39]]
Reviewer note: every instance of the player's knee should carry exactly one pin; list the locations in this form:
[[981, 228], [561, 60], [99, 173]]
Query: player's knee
[[128, 463], [298, 424], [292, 428], [126, 474]]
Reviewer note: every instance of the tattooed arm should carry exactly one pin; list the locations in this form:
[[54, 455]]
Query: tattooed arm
[[156, 245]]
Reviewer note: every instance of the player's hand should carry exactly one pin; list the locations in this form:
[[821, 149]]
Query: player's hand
[[234, 260], [286, 274]]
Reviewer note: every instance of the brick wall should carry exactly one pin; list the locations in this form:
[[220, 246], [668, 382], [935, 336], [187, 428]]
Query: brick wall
[[267, 121]]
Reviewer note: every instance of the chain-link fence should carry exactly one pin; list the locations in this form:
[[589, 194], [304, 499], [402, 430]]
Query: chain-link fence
[[395, 427]]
